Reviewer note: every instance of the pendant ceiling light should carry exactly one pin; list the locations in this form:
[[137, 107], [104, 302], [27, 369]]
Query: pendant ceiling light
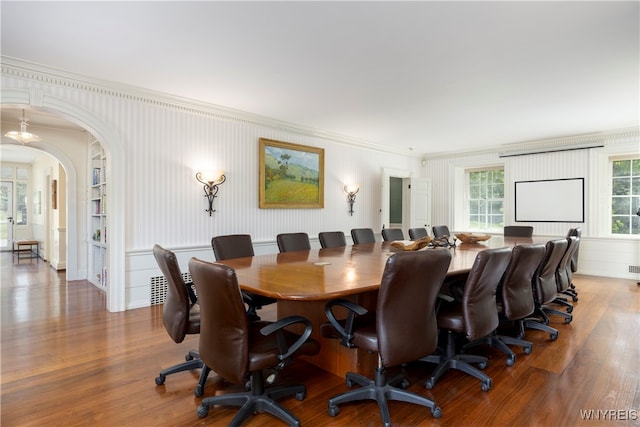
[[22, 136]]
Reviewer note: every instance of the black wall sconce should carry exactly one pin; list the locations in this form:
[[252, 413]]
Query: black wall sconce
[[351, 191], [211, 181]]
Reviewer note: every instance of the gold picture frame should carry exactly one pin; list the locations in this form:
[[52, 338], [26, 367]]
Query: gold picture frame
[[291, 175]]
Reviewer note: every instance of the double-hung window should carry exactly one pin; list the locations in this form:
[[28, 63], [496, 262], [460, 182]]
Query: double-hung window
[[625, 196], [485, 198]]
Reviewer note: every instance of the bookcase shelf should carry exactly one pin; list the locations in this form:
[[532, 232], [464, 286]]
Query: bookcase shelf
[[97, 210]]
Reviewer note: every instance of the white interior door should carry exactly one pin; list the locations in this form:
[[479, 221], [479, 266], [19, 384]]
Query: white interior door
[[6, 216], [420, 196]]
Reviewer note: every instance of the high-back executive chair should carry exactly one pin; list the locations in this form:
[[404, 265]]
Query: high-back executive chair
[[545, 289], [389, 234], [362, 236], [180, 316], [402, 329], [577, 232], [440, 231], [474, 317], [515, 299], [332, 239], [240, 246], [518, 231], [441, 236], [418, 233], [239, 350], [288, 242], [564, 275]]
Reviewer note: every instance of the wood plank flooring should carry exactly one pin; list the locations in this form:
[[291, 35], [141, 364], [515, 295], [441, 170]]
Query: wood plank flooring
[[66, 361]]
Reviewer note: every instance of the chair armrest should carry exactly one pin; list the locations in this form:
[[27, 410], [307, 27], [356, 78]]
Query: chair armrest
[[346, 332], [278, 328], [192, 293], [445, 297]]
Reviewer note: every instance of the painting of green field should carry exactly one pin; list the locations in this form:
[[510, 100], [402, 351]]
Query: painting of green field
[[291, 175]]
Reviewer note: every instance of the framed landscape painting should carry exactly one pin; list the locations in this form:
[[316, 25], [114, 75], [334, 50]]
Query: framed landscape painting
[[291, 175]]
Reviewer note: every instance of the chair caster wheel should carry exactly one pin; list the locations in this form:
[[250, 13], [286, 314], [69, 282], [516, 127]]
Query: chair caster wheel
[[528, 349], [569, 309], [301, 395], [203, 411], [568, 319], [160, 379], [575, 299], [404, 384], [553, 336], [333, 410], [486, 386], [429, 384], [482, 365], [188, 357], [436, 412], [198, 391], [349, 384], [511, 360]]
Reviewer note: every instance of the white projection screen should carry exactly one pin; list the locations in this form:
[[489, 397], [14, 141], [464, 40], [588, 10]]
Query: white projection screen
[[550, 200]]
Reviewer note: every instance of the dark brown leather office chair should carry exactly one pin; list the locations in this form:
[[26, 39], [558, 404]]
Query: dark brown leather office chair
[[180, 316], [564, 275], [390, 234], [362, 236], [577, 232], [545, 289], [239, 350], [572, 291], [517, 231], [402, 329], [441, 236], [515, 300], [476, 316], [332, 239], [240, 246], [288, 242], [418, 233], [440, 231]]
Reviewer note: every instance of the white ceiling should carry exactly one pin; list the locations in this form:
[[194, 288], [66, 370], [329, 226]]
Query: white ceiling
[[430, 77]]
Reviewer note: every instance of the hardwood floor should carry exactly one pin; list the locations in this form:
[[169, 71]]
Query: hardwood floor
[[66, 361]]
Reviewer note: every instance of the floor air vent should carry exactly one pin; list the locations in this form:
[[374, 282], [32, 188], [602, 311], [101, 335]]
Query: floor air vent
[[634, 269], [159, 288]]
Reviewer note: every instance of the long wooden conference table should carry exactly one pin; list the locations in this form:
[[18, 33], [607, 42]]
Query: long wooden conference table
[[304, 281]]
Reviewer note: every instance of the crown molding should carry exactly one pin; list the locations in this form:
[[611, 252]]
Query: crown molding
[[564, 143], [25, 70]]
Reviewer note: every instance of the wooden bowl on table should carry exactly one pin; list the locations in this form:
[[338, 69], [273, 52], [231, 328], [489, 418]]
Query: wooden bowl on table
[[411, 245], [472, 238]]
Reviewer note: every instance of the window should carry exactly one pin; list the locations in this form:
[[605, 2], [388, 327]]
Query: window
[[21, 212], [625, 196], [486, 199]]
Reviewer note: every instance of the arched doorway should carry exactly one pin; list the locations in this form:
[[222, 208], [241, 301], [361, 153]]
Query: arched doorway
[[21, 99]]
